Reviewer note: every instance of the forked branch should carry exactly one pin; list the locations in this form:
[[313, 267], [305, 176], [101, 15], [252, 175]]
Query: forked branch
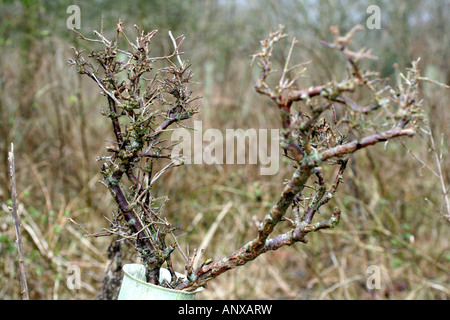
[[312, 141]]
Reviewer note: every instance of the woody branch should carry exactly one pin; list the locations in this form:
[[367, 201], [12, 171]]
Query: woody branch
[[140, 108], [312, 142]]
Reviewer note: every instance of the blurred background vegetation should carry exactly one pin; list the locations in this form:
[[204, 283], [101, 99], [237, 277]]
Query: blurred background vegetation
[[392, 200]]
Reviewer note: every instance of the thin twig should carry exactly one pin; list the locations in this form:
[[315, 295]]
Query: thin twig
[[286, 65], [176, 49], [441, 175], [15, 216], [207, 238], [86, 233]]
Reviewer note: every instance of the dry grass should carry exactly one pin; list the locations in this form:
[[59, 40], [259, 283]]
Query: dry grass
[[392, 204]]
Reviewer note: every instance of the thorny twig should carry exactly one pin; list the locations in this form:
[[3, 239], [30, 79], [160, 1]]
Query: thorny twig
[[141, 108], [312, 142]]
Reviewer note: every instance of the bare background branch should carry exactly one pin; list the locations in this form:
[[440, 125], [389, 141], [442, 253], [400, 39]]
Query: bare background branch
[[17, 226]]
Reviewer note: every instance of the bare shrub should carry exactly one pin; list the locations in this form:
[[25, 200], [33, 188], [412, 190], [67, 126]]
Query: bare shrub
[[321, 125]]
